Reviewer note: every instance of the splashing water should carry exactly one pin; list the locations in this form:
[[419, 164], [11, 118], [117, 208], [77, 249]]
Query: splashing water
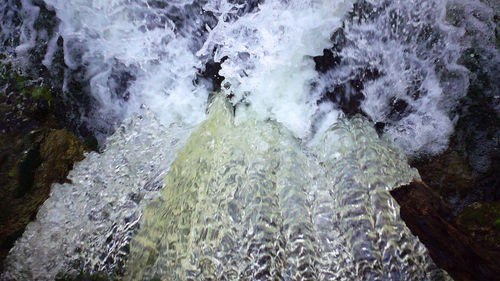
[[408, 45], [278, 185], [148, 52], [89, 223]]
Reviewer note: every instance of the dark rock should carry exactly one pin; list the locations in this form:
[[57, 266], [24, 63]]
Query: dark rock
[[211, 73], [399, 109], [429, 218], [26, 185], [466, 177], [34, 153], [120, 80], [481, 220], [331, 57], [59, 150], [449, 175], [346, 95], [327, 61], [379, 127], [349, 96], [91, 143], [26, 168]]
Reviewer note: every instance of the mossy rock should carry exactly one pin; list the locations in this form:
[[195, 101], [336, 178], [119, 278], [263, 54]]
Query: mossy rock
[[19, 82], [482, 221], [26, 177], [41, 93], [34, 152], [59, 150]]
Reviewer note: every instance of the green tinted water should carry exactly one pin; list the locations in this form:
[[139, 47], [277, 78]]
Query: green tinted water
[[245, 200]]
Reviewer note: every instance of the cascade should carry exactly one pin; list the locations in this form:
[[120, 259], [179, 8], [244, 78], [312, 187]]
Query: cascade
[[279, 176]]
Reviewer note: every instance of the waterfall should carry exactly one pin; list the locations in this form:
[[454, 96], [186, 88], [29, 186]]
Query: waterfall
[[279, 176], [245, 200]]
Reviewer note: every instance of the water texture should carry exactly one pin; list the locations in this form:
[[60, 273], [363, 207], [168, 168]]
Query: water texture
[[245, 200], [88, 223], [278, 183]]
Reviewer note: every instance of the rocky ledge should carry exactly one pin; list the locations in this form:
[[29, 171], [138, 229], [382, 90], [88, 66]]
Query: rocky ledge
[[457, 244], [35, 152]]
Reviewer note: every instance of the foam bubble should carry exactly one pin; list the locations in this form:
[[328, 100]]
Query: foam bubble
[[152, 42], [268, 53], [402, 57]]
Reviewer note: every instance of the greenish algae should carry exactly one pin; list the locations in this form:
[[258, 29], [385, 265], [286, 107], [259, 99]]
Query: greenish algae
[[34, 153], [482, 221]]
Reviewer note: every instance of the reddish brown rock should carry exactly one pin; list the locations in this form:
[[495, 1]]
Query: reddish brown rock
[[429, 218]]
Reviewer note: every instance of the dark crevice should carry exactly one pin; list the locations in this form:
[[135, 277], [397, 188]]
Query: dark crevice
[[211, 73]]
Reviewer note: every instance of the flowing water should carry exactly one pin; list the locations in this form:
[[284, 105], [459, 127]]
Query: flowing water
[[276, 178], [245, 200]]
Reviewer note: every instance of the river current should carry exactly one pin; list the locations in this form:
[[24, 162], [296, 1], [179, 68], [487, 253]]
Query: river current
[[275, 174]]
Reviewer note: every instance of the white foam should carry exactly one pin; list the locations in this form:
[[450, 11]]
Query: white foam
[[269, 53], [142, 40], [416, 51], [28, 33], [269, 65]]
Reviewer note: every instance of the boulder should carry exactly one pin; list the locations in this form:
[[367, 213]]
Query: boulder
[[451, 248], [34, 153], [481, 220], [28, 170]]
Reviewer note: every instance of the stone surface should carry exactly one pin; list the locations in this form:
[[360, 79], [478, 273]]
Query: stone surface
[[27, 176], [428, 217], [34, 153], [481, 220], [449, 175]]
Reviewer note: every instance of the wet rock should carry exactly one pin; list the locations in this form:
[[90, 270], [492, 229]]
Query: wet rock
[[449, 175], [35, 152], [327, 61], [58, 151], [481, 220], [27, 176], [451, 248], [26, 169], [467, 245], [211, 73]]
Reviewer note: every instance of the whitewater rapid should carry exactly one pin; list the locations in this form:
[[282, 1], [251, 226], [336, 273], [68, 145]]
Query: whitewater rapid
[[399, 56]]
